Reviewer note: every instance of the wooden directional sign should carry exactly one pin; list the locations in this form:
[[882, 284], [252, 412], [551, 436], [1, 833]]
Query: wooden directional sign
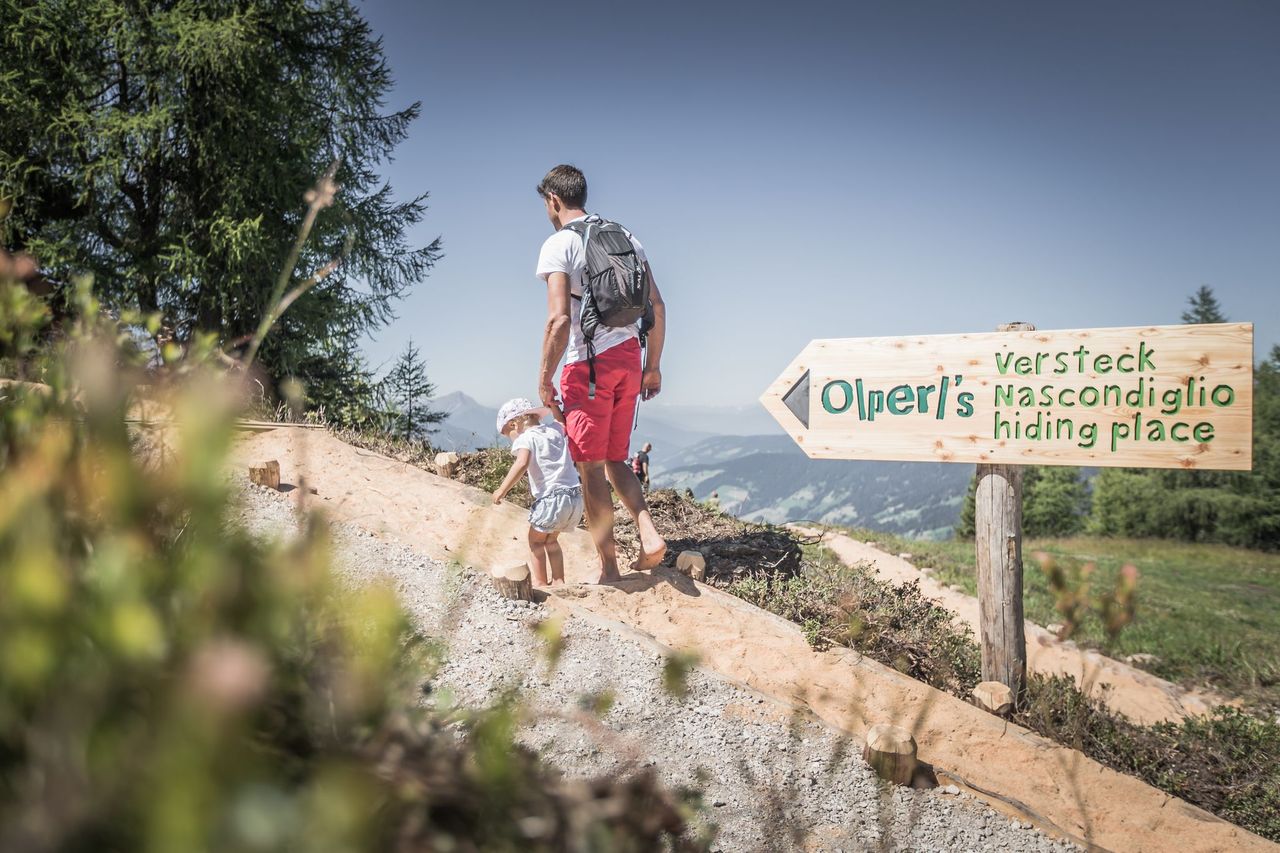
[[1144, 396]]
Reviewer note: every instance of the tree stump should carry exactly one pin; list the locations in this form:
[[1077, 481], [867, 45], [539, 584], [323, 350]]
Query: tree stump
[[446, 463], [514, 582], [891, 752], [265, 474], [693, 564], [994, 697]]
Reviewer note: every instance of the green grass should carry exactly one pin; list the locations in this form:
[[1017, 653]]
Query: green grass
[[1209, 613]]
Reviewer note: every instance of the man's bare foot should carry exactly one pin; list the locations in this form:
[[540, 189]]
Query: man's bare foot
[[652, 550], [608, 574]]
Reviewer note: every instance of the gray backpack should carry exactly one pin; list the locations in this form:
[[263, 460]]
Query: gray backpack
[[615, 284]]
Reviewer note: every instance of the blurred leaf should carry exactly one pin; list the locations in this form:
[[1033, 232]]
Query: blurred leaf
[[675, 671]]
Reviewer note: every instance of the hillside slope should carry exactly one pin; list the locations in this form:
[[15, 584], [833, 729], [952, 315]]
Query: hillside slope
[[1054, 785]]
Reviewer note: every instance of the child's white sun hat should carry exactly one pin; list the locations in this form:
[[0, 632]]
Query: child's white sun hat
[[517, 407]]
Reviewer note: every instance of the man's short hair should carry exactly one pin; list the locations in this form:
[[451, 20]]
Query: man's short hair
[[568, 183]]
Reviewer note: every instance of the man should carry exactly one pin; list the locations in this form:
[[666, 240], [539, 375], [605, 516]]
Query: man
[[599, 416], [641, 465]]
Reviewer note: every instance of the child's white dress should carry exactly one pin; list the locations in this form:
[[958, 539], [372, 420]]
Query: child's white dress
[[557, 492]]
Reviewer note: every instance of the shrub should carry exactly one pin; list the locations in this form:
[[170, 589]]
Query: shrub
[[839, 605], [1227, 763]]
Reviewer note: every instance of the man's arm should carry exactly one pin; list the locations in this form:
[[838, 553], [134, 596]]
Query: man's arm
[[556, 337], [651, 382]]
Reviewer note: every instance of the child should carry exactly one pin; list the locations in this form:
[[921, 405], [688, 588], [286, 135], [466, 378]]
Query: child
[[542, 450]]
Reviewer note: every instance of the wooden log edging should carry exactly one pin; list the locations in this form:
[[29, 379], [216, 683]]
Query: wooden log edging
[[266, 474]]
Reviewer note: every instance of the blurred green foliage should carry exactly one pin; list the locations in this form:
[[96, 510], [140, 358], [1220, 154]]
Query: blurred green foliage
[[169, 683], [1072, 585]]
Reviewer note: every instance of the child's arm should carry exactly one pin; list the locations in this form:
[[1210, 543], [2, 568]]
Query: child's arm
[[517, 471], [557, 413]]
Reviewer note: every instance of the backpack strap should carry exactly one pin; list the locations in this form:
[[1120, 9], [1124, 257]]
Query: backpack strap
[[591, 370], [582, 228]]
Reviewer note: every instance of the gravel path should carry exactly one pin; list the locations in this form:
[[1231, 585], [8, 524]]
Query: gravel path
[[771, 779]]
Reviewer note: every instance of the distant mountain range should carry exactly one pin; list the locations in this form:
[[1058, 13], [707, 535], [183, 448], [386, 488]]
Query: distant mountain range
[[759, 477], [470, 425], [768, 478]]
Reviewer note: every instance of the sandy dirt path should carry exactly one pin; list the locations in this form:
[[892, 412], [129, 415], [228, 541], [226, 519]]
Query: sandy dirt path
[[1058, 788], [1138, 695], [773, 778]]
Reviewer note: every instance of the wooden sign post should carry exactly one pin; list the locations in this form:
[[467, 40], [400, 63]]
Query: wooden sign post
[[1142, 396], [997, 517]]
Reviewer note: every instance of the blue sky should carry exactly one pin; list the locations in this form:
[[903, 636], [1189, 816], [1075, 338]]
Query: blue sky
[[808, 170]]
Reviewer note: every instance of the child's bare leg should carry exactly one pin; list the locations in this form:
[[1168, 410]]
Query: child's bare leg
[[555, 557], [538, 557]]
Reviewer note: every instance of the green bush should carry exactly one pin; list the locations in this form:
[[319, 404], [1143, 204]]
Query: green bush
[[838, 605], [487, 467], [1227, 763], [168, 683]]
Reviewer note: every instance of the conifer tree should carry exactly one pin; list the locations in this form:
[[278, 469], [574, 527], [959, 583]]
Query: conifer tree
[[1055, 502], [166, 148], [1203, 307], [408, 392]]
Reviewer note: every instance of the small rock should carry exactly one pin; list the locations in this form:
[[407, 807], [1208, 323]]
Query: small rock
[[1141, 659]]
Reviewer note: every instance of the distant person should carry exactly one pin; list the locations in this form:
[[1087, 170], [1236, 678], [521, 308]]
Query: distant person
[[542, 450], [640, 464], [598, 326]]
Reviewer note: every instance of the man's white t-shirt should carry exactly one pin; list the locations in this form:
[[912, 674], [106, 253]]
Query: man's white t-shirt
[[549, 462], [562, 252]]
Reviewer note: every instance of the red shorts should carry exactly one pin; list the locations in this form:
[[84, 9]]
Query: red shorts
[[600, 430]]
